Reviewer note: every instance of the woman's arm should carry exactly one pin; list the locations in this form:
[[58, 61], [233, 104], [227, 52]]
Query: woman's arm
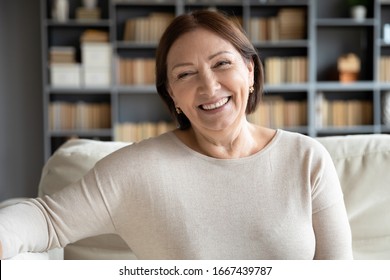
[[333, 233], [37, 225]]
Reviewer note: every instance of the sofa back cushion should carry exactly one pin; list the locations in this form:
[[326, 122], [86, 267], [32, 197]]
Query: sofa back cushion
[[363, 165]]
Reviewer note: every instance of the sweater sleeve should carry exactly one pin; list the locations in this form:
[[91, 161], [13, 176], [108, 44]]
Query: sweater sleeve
[[329, 215], [333, 234], [76, 212]]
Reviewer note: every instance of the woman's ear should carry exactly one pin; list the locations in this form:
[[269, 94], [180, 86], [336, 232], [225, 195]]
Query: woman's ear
[[169, 90], [251, 71]]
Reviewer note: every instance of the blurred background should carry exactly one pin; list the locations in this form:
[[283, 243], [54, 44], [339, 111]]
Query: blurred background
[[21, 117]]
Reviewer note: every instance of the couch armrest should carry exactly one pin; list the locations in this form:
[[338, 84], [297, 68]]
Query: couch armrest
[[54, 254]]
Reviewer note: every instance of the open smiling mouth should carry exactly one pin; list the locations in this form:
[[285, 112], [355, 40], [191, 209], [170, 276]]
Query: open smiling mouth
[[219, 104]]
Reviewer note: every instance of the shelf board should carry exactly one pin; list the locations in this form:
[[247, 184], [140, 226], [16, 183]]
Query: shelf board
[[346, 130], [384, 86], [383, 44], [286, 87], [144, 2], [385, 128], [81, 132], [201, 3], [282, 44], [135, 45], [337, 86], [296, 3], [78, 23], [137, 89], [83, 90], [344, 22]]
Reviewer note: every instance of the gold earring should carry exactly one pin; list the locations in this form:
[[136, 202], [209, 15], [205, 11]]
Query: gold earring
[[251, 89], [178, 110]]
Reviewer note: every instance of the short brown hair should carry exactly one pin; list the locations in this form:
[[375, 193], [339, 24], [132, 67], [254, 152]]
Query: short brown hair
[[227, 29]]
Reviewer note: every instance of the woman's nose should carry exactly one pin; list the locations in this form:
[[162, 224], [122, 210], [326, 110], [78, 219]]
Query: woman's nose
[[208, 83]]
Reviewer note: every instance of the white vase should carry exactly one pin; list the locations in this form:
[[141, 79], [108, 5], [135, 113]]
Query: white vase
[[60, 10], [359, 12], [386, 108]]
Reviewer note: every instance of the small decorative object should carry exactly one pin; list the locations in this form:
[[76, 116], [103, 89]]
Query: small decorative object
[[386, 108], [60, 11], [89, 4], [386, 33], [89, 11], [348, 67], [358, 9]]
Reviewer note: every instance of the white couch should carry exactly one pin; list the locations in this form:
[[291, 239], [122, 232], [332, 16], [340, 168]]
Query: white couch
[[362, 162]]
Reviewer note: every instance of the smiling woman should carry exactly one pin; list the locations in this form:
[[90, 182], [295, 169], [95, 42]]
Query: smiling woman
[[218, 187], [224, 30]]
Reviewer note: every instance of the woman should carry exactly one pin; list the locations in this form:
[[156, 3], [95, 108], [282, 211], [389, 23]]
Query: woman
[[218, 187]]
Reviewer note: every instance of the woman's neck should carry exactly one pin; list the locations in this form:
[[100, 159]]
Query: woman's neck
[[242, 142]]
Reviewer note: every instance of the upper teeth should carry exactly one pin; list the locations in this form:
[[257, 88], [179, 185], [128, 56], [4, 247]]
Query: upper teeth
[[216, 105]]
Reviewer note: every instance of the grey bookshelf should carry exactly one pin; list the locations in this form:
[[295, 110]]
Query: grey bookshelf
[[329, 33]]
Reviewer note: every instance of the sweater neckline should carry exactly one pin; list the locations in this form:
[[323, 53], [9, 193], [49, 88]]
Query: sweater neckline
[[260, 153]]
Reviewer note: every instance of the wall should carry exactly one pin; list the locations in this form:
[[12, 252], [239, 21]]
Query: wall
[[21, 117]]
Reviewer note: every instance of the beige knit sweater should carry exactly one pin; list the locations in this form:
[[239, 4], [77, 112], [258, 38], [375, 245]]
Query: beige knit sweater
[[170, 202]]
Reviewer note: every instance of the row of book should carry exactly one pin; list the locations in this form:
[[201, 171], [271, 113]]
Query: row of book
[[135, 132], [147, 29], [62, 54], [277, 112], [136, 71], [342, 113], [288, 24], [280, 70], [79, 115], [384, 69], [88, 14]]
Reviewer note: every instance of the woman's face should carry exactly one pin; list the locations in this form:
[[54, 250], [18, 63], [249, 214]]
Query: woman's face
[[209, 80]]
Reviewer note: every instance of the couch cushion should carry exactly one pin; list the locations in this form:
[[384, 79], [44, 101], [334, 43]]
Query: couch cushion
[[363, 165], [67, 165]]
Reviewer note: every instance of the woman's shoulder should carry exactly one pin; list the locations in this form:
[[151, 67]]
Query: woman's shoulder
[[139, 152], [299, 142]]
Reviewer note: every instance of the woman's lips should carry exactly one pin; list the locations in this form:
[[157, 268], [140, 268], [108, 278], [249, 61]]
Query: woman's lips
[[216, 105]]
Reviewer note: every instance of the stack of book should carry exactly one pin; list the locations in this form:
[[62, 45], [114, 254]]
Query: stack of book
[[343, 112], [62, 54], [96, 58], [276, 112], [147, 29], [135, 132], [80, 115], [292, 23], [93, 35], [280, 70], [136, 71], [288, 24], [384, 69], [64, 70], [88, 14], [258, 29]]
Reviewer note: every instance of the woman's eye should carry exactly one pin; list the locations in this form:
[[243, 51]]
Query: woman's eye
[[222, 63], [182, 75]]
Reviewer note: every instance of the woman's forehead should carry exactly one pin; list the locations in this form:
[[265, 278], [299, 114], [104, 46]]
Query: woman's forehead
[[199, 41]]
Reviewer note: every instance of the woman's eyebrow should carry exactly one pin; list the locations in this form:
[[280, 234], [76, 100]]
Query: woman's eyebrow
[[218, 53], [189, 63]]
